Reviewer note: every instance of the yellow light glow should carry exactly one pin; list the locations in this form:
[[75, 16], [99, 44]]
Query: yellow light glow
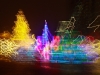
[[5, 34], [96, 46], [7, 47], [21, 31]]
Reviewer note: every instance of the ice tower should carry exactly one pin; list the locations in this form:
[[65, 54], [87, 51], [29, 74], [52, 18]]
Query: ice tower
[[69, 50]]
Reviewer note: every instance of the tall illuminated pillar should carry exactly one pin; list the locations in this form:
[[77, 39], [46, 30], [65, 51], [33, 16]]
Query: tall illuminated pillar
[[45, 34]]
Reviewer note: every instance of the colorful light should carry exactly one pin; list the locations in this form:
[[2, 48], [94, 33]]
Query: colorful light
[[22, 46], [46, 51]]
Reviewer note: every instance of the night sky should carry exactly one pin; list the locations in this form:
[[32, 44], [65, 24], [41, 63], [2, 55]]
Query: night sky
[[36, 11]]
